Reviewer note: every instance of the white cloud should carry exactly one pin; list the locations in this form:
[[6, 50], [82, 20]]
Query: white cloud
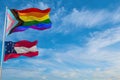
[[67, 22], [42, 5], [105, 38], [61, 70], [23, 74], [116, 16], [105, 63], [91, 18], [56, 19], [86, 18], [85, 74], [26, 6], [102, 63], [59, 13]]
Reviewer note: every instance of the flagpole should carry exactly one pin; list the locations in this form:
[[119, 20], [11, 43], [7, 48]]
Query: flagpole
[[3, 42]]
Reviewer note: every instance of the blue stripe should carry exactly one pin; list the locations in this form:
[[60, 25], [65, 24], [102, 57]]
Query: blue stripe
[[40, 26]]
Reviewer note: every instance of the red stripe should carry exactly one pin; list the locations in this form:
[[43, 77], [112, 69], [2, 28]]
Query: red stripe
[[25, 43], [14, 55], [34, 10], [30, 54]]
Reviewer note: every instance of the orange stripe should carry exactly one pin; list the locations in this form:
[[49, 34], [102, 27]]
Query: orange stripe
[[36, 14]]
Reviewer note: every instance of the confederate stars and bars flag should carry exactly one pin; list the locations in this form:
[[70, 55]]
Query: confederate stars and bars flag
[[20, 48]]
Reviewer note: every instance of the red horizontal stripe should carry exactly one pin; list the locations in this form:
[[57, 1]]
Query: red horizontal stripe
[[34, 10], [14, 55], [30, 54], [25, 43]]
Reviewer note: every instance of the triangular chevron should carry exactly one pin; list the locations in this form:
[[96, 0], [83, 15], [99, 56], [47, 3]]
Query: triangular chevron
[[12, 20]]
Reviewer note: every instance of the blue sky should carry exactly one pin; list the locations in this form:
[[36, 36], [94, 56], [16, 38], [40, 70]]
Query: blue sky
[[83, 43]]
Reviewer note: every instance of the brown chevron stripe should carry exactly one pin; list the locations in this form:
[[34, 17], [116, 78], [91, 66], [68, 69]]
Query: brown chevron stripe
[[20, 22]]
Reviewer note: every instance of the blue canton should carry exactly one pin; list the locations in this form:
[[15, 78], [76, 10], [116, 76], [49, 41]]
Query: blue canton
[[9, 47]]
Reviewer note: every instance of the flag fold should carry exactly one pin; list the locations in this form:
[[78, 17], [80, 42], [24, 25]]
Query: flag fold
[[20, 48], [21, 20]]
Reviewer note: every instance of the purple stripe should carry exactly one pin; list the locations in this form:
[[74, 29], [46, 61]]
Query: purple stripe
[[37, 27]]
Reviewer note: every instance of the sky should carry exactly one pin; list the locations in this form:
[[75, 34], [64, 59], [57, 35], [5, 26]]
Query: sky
[[83, 43]]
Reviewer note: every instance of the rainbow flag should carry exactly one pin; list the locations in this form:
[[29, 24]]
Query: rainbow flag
[[21, 20]]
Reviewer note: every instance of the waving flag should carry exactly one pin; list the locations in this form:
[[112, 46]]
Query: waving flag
[[21, 20], [21, 48]]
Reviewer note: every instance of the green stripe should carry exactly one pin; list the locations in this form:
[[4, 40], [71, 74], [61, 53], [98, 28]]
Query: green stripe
[[36, 22]]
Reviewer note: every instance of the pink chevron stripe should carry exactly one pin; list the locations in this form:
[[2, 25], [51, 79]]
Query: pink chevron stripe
[[11, 22]]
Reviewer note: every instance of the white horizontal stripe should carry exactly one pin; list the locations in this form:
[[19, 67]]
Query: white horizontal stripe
[[21, 50]]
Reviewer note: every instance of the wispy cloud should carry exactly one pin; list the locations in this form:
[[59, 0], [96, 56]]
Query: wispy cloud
[[40, 5], [103, 73], [105, 38], [23, 74], [93, 61], [70, 63], [91, 18], [59, 13], [85, 18]]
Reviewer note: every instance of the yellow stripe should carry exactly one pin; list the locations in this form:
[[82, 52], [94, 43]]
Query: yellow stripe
[[31, 18]]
